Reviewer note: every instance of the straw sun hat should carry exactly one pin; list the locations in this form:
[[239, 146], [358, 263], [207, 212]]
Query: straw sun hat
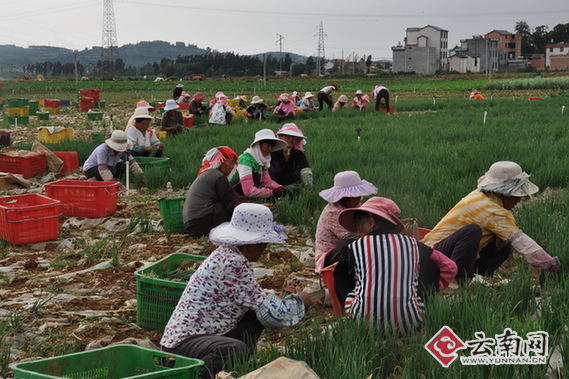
[[507, 178], [118, 141]]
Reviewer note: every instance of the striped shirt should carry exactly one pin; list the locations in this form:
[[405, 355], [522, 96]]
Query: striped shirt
[[483, 209], [387, 275]]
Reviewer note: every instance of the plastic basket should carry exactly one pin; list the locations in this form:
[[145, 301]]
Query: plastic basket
[[45, 136], [100, 104], [52, 110], [171, 209], [27, 166], [50, 103], [70, 160], [83, 198], [116, 362], [183, 106], [43, 115], [161, 134], [156, 298], [16, 103], [18, 112], [92, 93], [189, 121], [151, 162], [98, 137], [93, 116], [29, 218], [327, 274]]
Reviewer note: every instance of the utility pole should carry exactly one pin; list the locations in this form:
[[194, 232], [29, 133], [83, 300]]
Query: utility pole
[[280, 42], [342, 61], [109, 46], [321, 52]]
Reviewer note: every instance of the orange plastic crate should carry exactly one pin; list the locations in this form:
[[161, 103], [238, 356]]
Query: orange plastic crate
[[70, 161], [83, 198], [327, 274], [29, 218], [27, 166]]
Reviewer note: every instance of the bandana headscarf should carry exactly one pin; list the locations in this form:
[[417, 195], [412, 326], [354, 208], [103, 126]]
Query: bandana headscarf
[[215, 157], [199, 96]]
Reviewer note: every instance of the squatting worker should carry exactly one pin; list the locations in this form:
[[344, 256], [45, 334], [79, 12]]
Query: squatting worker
[[223, 310], [210, 200], [325, 96], [107, 161], [478, 234]]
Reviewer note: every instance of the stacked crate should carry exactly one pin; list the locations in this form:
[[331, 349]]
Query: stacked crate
[[89, 99], [52, 106], [18, 111]]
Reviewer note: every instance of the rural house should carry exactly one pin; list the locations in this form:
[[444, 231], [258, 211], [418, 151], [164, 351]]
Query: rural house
[[475, 54], [557, 56], [425, 51]]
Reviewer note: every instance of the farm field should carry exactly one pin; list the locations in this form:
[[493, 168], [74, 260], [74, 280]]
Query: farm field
[[426, 157]]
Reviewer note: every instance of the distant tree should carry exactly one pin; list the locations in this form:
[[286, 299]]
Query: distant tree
[[560, 33], [539, 39], [287, 62], [524, 30], [368, 63], [298, 69], [310, 65], [156, 68]]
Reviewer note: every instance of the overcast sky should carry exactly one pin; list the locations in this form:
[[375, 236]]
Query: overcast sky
[[351, 27]]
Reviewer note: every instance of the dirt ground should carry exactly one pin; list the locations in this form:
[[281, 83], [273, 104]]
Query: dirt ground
[[54, 300]]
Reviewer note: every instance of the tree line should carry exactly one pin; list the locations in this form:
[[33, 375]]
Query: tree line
[[534, 40]]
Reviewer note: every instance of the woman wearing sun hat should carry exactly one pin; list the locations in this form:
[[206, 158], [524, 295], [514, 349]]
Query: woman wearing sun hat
[[140, 104], [285, 109], [256, 110], [221, 113], [359, 101], [480, 231], [347, 192], [172, 119], [107, 161], [196, 106], [342, 103], [144, 140], [289, 165], [252, 178], [210, 199], [307, 103], [223, 310], [386, 267]]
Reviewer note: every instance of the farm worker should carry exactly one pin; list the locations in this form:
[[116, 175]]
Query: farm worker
[[172, 119], [221, 113], [140, 104], [342, 103], [196, 107], [143, 139], [256, 111], [289, 165], [307, 102], [184, 97], [385, 266], [295, 98], [223, 310], [107, 161], [359, 101], [252, 178], [478, 234], [210, 200], [242, 101], [285, 108], [178, 91], [325, 96], [476, 95], [347, 192], [381, 92]]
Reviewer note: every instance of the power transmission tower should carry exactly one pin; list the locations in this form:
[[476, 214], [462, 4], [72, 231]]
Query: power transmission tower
[[109, 46], [280, 42], [320, 63]]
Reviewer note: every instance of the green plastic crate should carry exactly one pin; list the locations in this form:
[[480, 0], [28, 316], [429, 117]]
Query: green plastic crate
[[16, 103], [116, 362], [152, 162], [156, 298], [171, 209], [98, 137]]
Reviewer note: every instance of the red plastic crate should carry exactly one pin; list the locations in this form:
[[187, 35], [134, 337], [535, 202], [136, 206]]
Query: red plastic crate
[[27, 166], [84, 198], [184, 106], [51, 103], [327, 274], [29, 218], [92, 93], [70, 161]]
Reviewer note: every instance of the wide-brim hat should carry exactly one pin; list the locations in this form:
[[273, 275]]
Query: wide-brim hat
[[291, 129], [347, 184], [179, 85], [250, 224], [379, 206], [359, 92], [508, 176], [142, 112], [243, 97], [343, 98], [118, 141], [170, 105], [256, 100], [269, 135], [144, 104], [284, 96], [308, 95]]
